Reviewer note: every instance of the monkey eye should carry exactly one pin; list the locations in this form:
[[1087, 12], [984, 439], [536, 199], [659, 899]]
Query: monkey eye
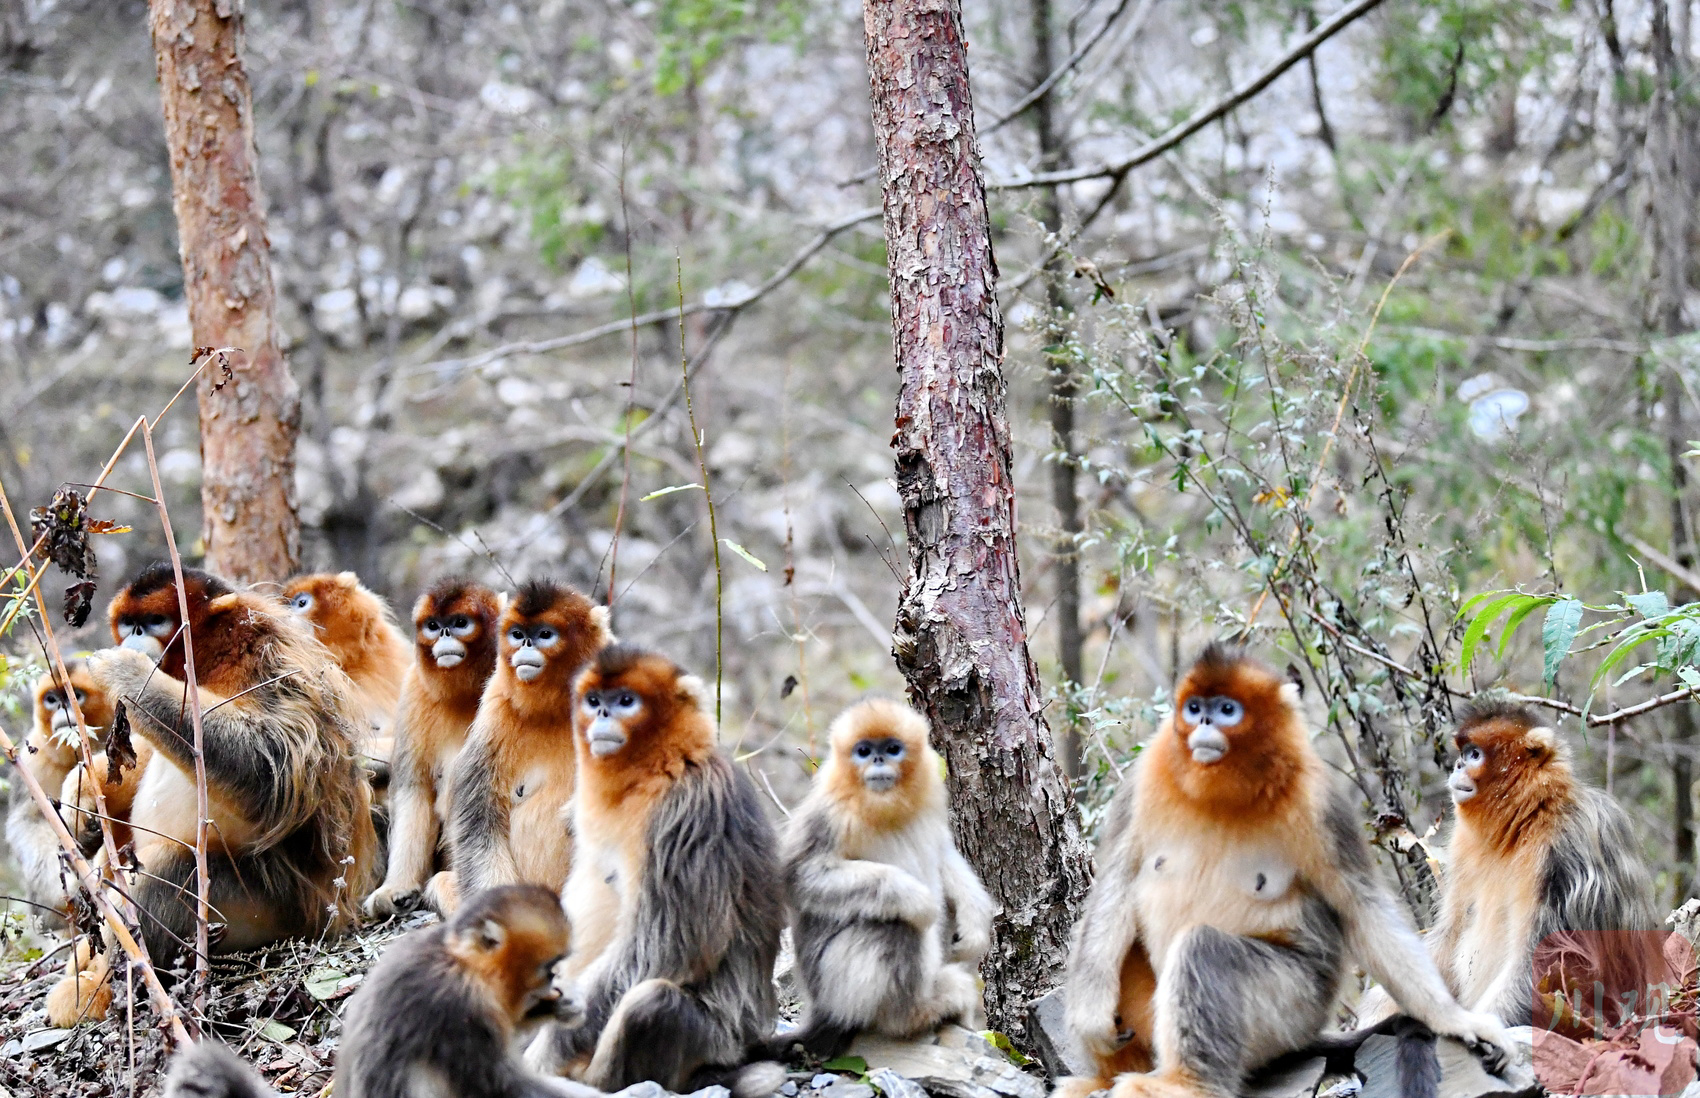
[[592, 700], [50, 700], [894, 750], [864, 751], [430, 627], [157, 620], [301, 601], [627, 700], [517, 635], [1194, 708], [1472, 754], [81, 696], [545, 635], [461, 626]]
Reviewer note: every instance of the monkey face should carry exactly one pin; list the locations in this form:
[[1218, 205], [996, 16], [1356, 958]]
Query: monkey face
[[1209, 716], [880, 762], [448, 637], [607, 712], [147, 633], [1466, 772], [514, 938], [527, 646]]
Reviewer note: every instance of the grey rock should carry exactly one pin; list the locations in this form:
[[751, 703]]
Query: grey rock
[[893, 1085], [789, 1089], [844, 1088], [1461, 1072], [11, 1049], [44, 1038], [961, 1072], [1338, 1086], [1051, 1039], [711, 1092], [822, 1081], [649, 1088], [1298, 1081]]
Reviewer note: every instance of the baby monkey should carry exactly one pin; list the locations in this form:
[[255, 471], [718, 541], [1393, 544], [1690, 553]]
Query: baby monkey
[[889, 921], [437, 1014]]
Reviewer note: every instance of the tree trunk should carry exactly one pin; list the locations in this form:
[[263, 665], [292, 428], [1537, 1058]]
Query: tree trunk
[[1064, 385], [249, 518], [961, 638]]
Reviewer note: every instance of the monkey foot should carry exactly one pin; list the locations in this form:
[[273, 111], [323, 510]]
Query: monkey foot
[[83, 995], [1079, 1086], [1160, 1084]]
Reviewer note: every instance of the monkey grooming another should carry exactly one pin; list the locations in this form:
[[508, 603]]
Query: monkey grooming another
[[1234, 887], [437, 1015], [454, 630], [50, 754], [513, 778], [1536, 856], [291, 848], [675, 895], [890, 922]]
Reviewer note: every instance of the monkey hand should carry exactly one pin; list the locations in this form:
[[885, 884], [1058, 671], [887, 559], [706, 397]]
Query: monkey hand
[[909, 900], [120, 671], [388, 899], [1092, 1020], [1487, 1038], [970, 944]]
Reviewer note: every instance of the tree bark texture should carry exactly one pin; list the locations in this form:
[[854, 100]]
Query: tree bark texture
[[249, 423], [961, 637]]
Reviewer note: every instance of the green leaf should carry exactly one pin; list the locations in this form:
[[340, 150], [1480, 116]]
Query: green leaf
[[1003, 1044], [274, 1030], [1511, 623], [1564, 617], [742, 552], [667, 491], [1649, 604], [322, 983], [1630, 643], [1482, 623], [846, 1063]]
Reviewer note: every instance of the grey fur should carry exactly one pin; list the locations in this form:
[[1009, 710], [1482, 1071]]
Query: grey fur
[[691, 984], [478, 820]]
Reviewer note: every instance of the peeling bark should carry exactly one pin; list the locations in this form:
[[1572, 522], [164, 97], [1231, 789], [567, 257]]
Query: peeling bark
[[961, 636], [248, 427]]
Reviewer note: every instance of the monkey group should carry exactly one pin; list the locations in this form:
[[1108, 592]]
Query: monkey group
[[614, 894]]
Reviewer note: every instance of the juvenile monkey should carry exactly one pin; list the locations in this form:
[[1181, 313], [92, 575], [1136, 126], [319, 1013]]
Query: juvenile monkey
[[361, 633], [50, 753], [675, 893], [514, 776], [1536, 856], [1234, 887], [291, 847], [889, 920], [438, 1013], [454, 629]]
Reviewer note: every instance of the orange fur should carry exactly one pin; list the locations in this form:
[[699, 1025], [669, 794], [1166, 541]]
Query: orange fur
[[918, 790], [516, 768], [510, 961], [275, 708], [437, 708], [617, 793], [361, 632]]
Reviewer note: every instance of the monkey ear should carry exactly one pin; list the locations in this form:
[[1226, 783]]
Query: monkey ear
[[599, 619], [693, 692], [1296, 677], [1541, 742], [348, 580], [489, 934], [1291, 693], [223, 603]]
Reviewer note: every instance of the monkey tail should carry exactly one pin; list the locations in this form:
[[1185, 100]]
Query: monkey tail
[[211, 1070], [1414, 1058]]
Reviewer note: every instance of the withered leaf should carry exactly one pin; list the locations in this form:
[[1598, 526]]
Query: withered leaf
[[107, 526], [79, 600], [62, 528], [120, 750], [790, 685]]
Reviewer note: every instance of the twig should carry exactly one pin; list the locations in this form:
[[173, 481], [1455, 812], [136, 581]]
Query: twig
[[1675, 568], [631, 389], [192, 698], [707, 488], [454, 367], [1199, 120], [1063, 69]]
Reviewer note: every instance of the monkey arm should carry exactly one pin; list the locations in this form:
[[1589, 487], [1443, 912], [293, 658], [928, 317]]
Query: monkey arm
[[849, 890], [413, 826], [1380, 936], [479, 828], [972, 904], [255, 747], [1108, 928]]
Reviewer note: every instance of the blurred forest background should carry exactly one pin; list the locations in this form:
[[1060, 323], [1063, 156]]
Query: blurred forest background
[[470, 199]]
